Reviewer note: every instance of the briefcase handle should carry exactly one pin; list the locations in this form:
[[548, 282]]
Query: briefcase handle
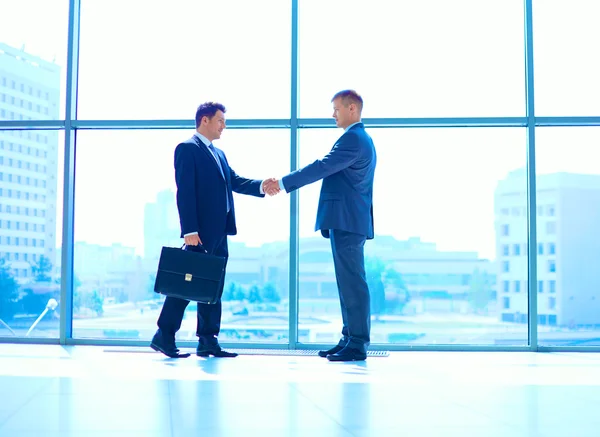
[[200, 246]]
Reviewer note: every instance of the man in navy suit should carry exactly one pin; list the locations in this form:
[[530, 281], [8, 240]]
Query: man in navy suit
[[205, 183], [345, 216]]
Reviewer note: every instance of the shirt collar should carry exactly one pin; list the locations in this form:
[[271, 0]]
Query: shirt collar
[[348, 128], [202, 138]]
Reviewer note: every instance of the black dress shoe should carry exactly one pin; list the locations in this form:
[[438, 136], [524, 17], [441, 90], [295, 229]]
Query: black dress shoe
[[214, 349], [333, 350], [167, 347], [348, 354]]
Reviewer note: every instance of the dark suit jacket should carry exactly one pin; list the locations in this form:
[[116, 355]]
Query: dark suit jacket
[[202, 192], [348, 170]]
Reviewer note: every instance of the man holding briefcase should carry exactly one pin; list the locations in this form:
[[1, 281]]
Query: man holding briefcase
[[205, 183]]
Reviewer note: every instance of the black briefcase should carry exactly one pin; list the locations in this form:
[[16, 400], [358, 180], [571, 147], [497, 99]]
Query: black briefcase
[[190, 275]]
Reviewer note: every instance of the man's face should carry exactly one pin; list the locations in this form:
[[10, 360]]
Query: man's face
[[341, 113], [214, 126]]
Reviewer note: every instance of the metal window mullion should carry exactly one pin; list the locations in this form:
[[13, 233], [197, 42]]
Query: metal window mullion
[[66, 290], [294, 196], [531, 180]]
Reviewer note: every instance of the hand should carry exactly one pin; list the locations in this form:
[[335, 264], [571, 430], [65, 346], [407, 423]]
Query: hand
[[192, 240], [271, 186]]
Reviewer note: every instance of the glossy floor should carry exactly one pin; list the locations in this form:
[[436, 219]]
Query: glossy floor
[[50, 391]]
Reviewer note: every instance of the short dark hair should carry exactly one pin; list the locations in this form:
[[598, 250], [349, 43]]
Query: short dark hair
[[208, 109], [349, 96]]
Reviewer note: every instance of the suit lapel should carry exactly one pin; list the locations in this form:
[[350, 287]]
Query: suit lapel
[[223, 165], [209, 155]]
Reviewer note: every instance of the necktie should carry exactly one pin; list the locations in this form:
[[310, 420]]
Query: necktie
[[214, 153]]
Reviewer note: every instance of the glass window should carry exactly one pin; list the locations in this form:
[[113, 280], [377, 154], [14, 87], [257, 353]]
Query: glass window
[[116, 254], [516, 249], [33, 51], [566, 74], [413, 59], [568, 177], [22, 302], [416, 253], [182, 54]]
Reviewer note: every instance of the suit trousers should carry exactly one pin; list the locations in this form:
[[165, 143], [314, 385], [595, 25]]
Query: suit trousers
[[349, 264], [208, 315]]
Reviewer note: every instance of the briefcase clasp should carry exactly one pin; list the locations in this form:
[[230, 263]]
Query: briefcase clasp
[[188, 277]]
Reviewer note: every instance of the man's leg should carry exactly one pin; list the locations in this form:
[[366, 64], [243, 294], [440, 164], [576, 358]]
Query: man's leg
[[209, 318], [209, 315], [169, 323], [344, 340], [171, 315], [349, 263], [209, 321]]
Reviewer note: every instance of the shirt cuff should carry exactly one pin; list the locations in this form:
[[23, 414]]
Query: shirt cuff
[[191, 233], [281, 185]]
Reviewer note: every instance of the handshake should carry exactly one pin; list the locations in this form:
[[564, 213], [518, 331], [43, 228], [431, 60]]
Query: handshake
[[271, 186]]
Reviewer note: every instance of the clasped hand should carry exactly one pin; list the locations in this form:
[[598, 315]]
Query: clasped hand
[[271, 186]]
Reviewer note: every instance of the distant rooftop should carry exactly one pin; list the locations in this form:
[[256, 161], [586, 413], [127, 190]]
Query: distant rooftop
[[516, 181], [27, 58]]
